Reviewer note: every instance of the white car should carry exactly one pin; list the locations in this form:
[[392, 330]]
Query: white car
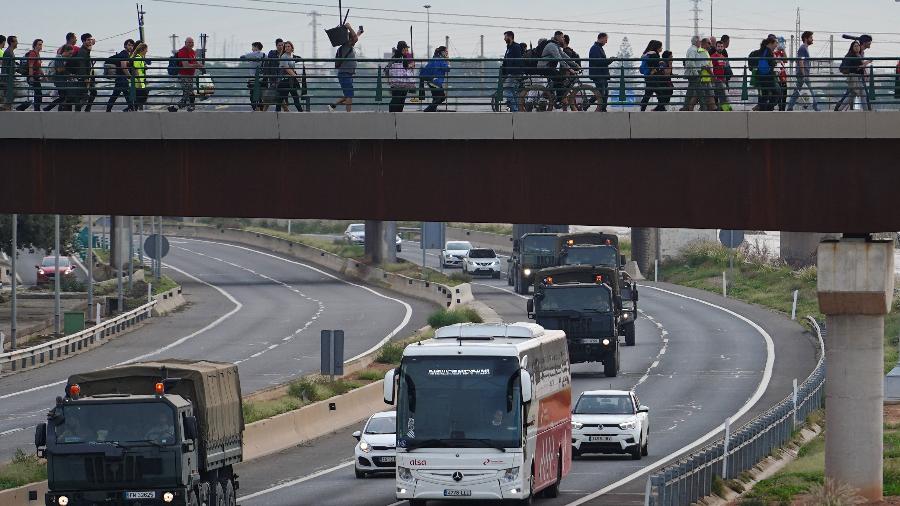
[[376, 451], [610, 421], [482, 261], [356, 234], [453, 253]]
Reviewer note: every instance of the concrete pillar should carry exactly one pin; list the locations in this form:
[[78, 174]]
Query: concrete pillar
[[118, 241], [798, 249], [855, 285], [643, 247], [381, 244]]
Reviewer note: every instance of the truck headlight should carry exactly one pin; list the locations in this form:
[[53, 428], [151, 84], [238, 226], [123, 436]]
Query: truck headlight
[[404, 473], [625, 316], [527, 272], [365, 446], [62, 500], [511, 474], [628, 425], [606, 342], [168, 497]]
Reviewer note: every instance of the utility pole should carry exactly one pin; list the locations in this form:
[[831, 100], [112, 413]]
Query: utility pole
[[140, 16], [56, 275], [428, 29], [174, 43], [696, 10], [315, 33], [711, 18], [481, 55], [12, 261], [669, 24]]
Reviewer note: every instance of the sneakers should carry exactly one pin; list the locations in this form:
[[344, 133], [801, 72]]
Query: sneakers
[[190, 108], [332, 108], [172, 108]]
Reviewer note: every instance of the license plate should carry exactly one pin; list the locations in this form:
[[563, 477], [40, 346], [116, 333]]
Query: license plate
[[590, 341], [600, 439], [388, 460], [140, 495], [457, 492]]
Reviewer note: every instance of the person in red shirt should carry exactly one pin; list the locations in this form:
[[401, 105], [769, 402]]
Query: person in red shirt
[[781, 60], [188, 65], [719, 64]]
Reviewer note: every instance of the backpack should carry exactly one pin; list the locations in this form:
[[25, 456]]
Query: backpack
[[645, 65], [22, 67], [533, 55], [110, 67], [753, 59], [763, 68], [173, 67]]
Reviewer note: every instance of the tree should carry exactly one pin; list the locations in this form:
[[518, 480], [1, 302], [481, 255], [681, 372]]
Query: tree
[[36, 231], [629, 78]]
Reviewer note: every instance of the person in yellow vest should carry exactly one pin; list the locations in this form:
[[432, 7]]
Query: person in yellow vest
[[139, 64]]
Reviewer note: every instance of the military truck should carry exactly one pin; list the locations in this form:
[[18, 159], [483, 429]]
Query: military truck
[[582, 301], [534, 248], [603, 250], [151, 433]]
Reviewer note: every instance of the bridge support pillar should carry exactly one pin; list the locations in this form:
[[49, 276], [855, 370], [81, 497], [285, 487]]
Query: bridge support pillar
[[118, 242], [381, 245], [856, 286], [798, 249]]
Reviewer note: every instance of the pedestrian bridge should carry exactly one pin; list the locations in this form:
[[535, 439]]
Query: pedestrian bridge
[[798, 171]]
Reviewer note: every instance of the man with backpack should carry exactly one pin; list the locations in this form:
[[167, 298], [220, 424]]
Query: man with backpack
[[599, 69], [122, 73], [84, 74], [187, 65], [345, 63], [31, 68], [555, 64]]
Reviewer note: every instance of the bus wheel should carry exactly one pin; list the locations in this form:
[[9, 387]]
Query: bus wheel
[[553, 490]]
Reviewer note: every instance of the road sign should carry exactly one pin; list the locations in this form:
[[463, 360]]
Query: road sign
[[731, 238], [150, 246], [433, 234], [332, 362]]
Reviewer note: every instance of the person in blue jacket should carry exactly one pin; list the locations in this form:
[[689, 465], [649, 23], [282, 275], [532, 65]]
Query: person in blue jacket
[[434, 74]]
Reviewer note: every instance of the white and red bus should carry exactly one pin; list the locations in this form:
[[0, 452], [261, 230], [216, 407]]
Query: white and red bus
[[483, 412]]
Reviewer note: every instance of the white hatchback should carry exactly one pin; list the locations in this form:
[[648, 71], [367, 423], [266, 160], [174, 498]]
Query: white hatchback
[[482, 261], [376, 451], [610, 421], [453, 253]]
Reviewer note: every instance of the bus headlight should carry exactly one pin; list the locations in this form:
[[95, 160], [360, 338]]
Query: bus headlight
[[511, 474], [62, 500], [404, 473], [168, 497]]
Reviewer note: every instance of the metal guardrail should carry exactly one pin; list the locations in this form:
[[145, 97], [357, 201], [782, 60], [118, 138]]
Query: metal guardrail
[[477, 84], [63, 347], [691, 478]]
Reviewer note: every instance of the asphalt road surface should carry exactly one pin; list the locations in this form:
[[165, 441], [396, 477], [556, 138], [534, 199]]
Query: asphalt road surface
[[246, 306], [699, 359]]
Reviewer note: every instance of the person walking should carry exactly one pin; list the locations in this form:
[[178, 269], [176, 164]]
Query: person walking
[[255, 57], [781, 64], [802, 72], [2, 75], [650, 68], [729, 73], [187, 71], [434, 73], [697, 70], [598, 69], [401, 72], [854, 67], [288, 82], [897, 81], [865, 42], [511, 71], [719, 77], [139, 70], [122, 86], [34, 74], [8, 73], [345, 63], [665, 88], [765, 74], [84, 75]]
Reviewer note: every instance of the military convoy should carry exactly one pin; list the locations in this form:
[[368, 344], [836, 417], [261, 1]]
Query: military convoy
[[166, 432]]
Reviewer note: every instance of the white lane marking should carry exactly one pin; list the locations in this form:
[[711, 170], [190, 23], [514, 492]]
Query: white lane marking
[[757, 395], [502, 290], [188, 337], [406, 318], [13, 431], [662, 350], [296, 482]]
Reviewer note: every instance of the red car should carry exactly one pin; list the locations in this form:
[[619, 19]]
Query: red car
[[47, 269]]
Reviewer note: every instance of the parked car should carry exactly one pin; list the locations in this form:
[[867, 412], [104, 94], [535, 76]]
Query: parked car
[[610, 421], [47, 269], [482, 261], [356, 234], [453, 253], [376, 451]]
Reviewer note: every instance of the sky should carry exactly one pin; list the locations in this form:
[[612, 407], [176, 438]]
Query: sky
[[232, 30]]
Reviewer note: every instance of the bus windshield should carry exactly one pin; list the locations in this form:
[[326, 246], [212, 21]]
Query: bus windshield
[[592, 255], [539, 245], [459, 402], [576, 298]]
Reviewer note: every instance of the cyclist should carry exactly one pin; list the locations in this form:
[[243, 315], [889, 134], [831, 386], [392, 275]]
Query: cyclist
[[553, 57], [571, 78]]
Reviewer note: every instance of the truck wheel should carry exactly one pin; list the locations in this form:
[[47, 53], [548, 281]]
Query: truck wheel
[[218, 497], [629, 334], [611, 365], [522, 285]]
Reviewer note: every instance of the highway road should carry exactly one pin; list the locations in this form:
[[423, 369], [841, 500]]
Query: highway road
[[699, 360], [246, 306]]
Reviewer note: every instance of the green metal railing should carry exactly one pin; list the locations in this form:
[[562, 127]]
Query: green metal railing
[[470, 85]]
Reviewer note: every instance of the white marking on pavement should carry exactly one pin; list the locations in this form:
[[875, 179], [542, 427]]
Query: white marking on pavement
[[296, 482], [502, 290], [757, 395]]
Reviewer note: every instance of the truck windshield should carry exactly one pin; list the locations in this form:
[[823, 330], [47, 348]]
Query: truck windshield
[[539, 245], [576, 298], [151, 422], [459, 402], [592, 255]]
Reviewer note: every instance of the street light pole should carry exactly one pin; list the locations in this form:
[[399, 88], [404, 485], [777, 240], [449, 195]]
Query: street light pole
[[669, 24], [12, 261], [428, 29], [56, 275]]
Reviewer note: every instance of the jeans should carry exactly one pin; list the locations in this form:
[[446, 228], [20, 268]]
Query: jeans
[[856, 88], [438, 97], [38, 96], [288, 86], [768, 92], [602, 85], [697, 91], [803, 81], [398, 99], [511, 87], [122, 89]]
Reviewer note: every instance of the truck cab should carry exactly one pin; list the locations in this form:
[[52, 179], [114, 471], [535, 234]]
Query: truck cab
[[531, 253], [584, 302]]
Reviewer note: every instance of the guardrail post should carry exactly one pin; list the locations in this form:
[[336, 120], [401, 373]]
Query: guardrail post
[[745, 90], [622, 94], [379, 86], [871, 88]]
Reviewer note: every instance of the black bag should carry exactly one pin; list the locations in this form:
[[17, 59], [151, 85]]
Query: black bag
[[533, 55], [753, 59]]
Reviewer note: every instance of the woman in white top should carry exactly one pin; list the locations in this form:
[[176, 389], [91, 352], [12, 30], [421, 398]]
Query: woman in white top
[[288, 82]]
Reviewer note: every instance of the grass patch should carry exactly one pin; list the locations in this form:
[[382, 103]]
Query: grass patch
[[255, 411], [370, 375], [414, 271], [308, 226], [445, 317], [319, 388], [391, 353], [24, 469], [490, 228], [102, 255]]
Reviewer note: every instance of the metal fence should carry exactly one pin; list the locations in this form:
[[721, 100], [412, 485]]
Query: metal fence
[[474, 85], [691, 478]]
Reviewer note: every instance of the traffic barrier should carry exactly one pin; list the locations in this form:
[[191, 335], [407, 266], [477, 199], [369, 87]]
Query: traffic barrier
[[442, 295], [689, 479]]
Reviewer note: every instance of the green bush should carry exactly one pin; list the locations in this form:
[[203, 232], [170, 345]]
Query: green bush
[[25, 468], [369, 375], [319, 388], [446, 317], [460, 277], [390, 353]]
